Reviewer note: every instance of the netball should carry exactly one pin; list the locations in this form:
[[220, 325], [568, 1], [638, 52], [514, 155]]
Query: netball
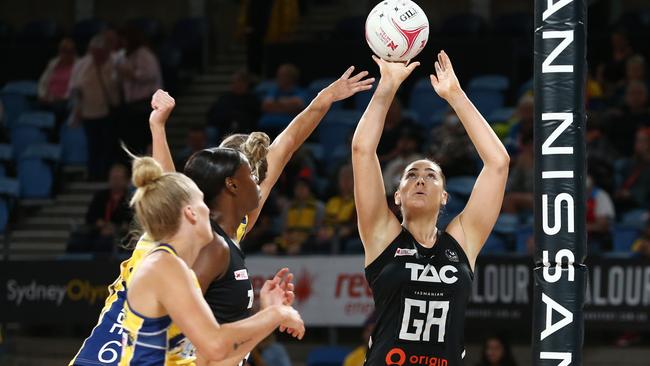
[[397, 30]]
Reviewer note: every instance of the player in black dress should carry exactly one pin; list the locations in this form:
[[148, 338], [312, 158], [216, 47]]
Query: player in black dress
[[235, 195], [421, 277]]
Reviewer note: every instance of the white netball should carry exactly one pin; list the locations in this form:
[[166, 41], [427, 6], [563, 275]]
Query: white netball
[[397, 30]]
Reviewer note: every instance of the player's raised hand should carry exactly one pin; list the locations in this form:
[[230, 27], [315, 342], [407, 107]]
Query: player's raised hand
[[395, 71], [348, 85], [162, 105], [444, 81], [279, 290]]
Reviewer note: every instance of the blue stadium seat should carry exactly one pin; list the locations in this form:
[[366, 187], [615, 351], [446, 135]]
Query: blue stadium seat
[[4, 214], [636, 218], [507, 224], [6, 152], [623, 237], [486, 101], [14, 105], [9, 190], [38, 119], [461, 185], [35, 174], [489, 82], [9, 187], [501, 115], [316, 86], [327, 356], [28, 88], [424, 101], [362, 99], [333, 134], [349, 117], [73, 145], [494, 244], [23, 136], [521, 238]]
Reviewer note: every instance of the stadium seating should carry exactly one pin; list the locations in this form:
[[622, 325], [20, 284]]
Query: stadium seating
[[319, 84], [489, 82], [623, 237], [9, 190], [327, 356], [35, 172], [73, 145], [23, 136], [424, 101]]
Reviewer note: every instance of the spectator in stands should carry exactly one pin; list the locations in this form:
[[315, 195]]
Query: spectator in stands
[[625, 120], [108, 216], [497, 352], [395, 121], [95, 95], [197, 140], [600, 217], [139, 72], [519, 192], [634, 175], [408, 150], [452, 149], [635, 70], [266, 227], [522, 125], [302, 219], [358, 356], [285, 99], [601, 155], [269, 352], [340, 223], [236, 111], [54, 83], [610, 72], [641, 246]]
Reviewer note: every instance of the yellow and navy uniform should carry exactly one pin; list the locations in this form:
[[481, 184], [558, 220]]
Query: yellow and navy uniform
[[154, 341], [104, 345]]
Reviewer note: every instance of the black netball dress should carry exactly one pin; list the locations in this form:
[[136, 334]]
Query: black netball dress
[[420, 299]]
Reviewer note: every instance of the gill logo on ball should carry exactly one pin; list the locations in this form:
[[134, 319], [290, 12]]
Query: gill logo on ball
[[410, 35], [392, 45], [409, 13]]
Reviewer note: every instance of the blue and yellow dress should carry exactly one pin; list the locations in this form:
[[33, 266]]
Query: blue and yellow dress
[[104, 345], [154, 341]]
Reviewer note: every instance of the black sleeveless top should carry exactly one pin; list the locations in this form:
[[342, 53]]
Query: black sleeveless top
[[231, 296], [420, 299]]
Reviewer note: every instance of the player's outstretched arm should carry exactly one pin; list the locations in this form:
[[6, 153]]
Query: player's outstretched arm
[[175, 290], [472, 227], [162, 105], [377, 224], [289, 140]]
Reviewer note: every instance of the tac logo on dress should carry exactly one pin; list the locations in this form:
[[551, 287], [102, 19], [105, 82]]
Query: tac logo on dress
[[241, 275]]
